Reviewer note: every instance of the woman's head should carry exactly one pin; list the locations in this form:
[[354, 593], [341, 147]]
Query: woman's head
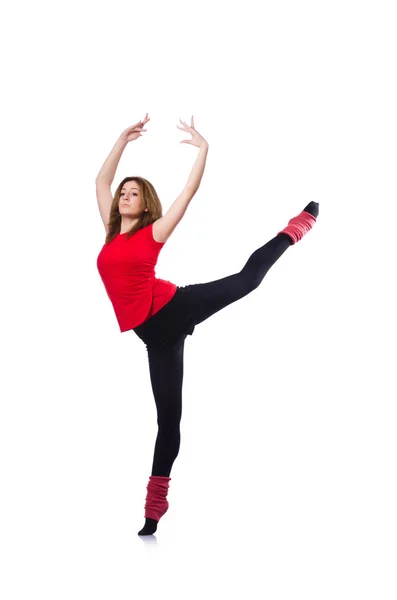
[[135, 201]]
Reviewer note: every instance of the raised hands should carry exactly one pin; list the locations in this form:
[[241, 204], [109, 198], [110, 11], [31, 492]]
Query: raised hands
[[135, 131], [197, 139]]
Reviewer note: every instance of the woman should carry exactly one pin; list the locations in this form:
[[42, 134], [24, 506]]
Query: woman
[[161, 313]]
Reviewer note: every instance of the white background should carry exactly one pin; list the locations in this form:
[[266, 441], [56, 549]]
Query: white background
[[285, 484]]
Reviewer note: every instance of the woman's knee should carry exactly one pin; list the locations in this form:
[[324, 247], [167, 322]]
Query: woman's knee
[[249, 281], [169, 419]]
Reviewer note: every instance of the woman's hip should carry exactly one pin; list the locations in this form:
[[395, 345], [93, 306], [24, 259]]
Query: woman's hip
[[169, 324]]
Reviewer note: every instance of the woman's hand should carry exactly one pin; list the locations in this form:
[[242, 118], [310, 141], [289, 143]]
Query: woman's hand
[[134, 132], [197, 139]]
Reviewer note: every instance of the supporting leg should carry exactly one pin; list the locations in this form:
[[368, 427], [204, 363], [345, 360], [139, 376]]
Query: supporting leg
[[166, 374]]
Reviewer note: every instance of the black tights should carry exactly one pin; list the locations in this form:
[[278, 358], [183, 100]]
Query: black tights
[[192, 305]]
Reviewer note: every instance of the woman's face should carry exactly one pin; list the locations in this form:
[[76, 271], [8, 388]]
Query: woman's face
[[130, 202]]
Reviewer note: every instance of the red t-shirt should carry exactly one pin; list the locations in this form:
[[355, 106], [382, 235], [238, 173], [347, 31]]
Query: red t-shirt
[[127, 269]]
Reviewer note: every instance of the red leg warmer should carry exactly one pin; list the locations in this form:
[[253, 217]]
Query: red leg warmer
[[156, 499], [298, 226]]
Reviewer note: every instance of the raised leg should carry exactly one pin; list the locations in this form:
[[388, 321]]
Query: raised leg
[[205, 299]]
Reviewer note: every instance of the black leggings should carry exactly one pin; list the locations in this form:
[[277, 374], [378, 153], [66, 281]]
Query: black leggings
[[165, 332]]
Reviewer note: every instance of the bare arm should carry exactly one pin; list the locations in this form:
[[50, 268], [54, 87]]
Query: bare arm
[[164, 226], [197, 171], [108, 170]]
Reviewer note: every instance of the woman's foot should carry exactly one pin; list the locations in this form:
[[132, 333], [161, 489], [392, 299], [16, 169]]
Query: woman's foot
[[156, 502], [149, 528], [312, 208]]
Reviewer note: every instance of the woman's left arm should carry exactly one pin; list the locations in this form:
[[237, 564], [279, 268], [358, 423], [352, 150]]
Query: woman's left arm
[[197, 171], [163, 227], [197, 140]]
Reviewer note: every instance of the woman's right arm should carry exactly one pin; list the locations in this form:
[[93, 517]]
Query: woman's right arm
[[104, 179], [108, 170], [106, 174]]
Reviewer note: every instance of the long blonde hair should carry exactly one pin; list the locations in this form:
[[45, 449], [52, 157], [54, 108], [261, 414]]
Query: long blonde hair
[[151, 202]]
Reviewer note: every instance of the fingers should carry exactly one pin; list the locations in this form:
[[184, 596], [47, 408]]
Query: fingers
[[186, 125], [145, 120]]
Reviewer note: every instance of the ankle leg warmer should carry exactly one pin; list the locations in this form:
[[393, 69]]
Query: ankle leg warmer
[[156, 499], [300, 225]]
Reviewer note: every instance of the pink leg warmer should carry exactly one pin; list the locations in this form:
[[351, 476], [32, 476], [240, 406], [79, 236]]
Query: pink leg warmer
[[156, 499], [298, 226]]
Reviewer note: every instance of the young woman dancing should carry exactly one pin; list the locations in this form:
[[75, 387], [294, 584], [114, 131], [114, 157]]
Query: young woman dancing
[[161, 313]]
